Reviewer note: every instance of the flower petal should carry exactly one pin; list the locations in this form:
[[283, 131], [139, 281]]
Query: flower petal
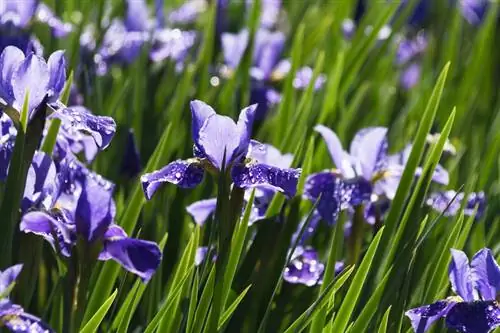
[[329, 186], [233, 47], [201, 210], [25, 323], [245, 125], [44, 225], [24, 11], [486, 274], [267, 51], [59, 28], [137, 256], [137, 15], [411, 76], [101, 128], [10, 59], [131, 163], [185, 174], [8, 277], [460, 275], [341, 158], [57, 68], [369, 149], [355, 191], [200, 111], [423, 317], [283, 180], [304, 268], [474, 317], [31, 75]]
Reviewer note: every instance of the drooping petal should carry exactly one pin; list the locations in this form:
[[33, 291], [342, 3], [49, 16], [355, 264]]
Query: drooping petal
[[369, 149], [185, 174], [201, 210], [137, 256], [341, 159], [486, 274], [220, 137], [423, 317], [57, 69], [283, 180], [233, 47], [200, 111], [304, 267], [32, 75], [94, 211], [46, 226], [10, 59], [461, 276], [474, 317], [8, 277], [329, 186], [101, 128], [25, 323]]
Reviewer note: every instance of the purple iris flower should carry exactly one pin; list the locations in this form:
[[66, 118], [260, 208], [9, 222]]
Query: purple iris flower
[[188, 13], [78, 204], [306, 268], [270, 11], [201, 210], [219, 140], [59, 28], [8, 134], [474, 11], [131, 164], [441, 200], [408, 56], [13, 315], [474, 309]]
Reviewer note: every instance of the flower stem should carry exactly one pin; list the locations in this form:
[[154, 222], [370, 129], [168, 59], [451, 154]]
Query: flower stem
[[356, 237]]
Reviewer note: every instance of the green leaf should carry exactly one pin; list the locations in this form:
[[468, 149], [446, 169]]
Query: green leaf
[[204, 304], [383, 324], [67, 89], [351, 298], [49, 141], [94, 322], [232, 307]]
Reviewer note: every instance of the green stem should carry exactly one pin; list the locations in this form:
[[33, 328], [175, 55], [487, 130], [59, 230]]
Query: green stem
[[356, 238]]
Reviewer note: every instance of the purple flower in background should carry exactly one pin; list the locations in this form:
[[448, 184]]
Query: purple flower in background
[[81, 206], [131, 163], [219, 140], [188, 13], [59, 28], [305, 267], [201, 210], [475, 309], [474, 11], [8, 134], [408, 56], [13, 315], [441, 200]]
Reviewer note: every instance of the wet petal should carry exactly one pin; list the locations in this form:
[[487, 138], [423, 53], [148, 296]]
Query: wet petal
[[137, 256], [41, 179], [57, 68], [25, 323], [31, 75], [329, 186], [423, 317], [355, 191], [369, 148], [185, 174], [8, 277], [201, 210], [474, 317], [341, 158], [304, 268], [100, 128], [283, 180], [10, 59], [44, 225], [486, 274], [460, 275]]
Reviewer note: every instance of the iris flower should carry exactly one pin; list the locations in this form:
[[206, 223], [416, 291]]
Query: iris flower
[[474, 309], [408, 56], [219, 140], [76, 204], [449, 203], [13, 315], [474, 11], [201, 210]]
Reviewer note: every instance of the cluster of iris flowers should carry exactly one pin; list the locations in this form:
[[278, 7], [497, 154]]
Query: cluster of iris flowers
[[70, 206]]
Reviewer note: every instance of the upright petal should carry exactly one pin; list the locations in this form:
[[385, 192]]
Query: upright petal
[[369, 148], [57, 68], [93, 213], [185, 174], [31, 75], [59, 28], [474, 317], [201, 210], [10, 59], [267, 51], [137, 15], [135, 255], [245, 125], [341, 159], [8, 277], [411, 76], [460, 275], [486, 274], [233, 47], [282, 180], [474, 11], [423, 317], [200, 111], [23, 9]]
